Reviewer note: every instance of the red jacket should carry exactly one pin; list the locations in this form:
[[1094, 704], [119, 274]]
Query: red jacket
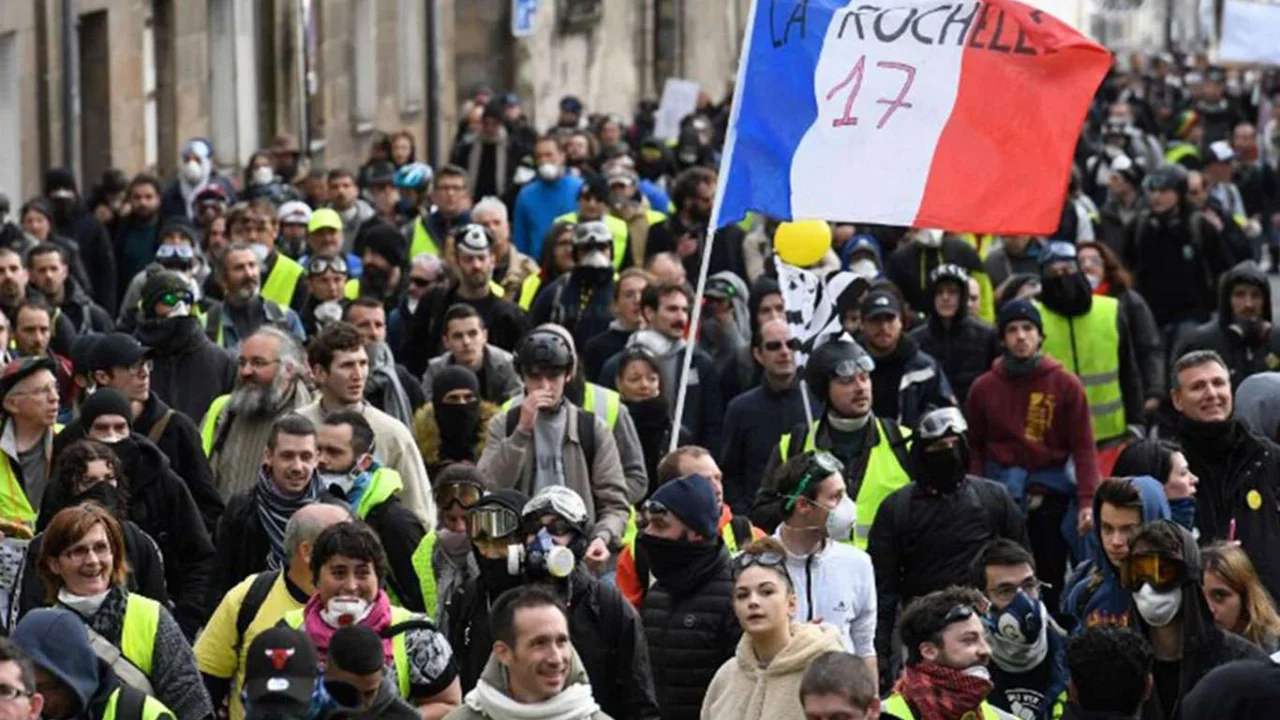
[[1033, 422]]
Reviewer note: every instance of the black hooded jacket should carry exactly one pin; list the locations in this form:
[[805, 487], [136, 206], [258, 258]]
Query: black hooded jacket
[[85, 315], [1247, 347], [1174, 266], [189, 371], [96, 251], [964, 347]]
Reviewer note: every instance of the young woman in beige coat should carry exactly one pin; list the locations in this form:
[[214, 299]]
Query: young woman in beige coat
[[762, 680]]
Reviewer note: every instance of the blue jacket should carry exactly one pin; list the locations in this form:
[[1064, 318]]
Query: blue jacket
[[1096, 598], [537, 206]]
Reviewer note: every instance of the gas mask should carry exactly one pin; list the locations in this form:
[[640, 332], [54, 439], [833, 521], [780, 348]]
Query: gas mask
[[544, 558], [328, 312]]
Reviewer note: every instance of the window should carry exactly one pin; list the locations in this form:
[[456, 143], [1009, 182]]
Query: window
[[233, 80], [10, 125], [579, 15], [411, 63], [365, 79]]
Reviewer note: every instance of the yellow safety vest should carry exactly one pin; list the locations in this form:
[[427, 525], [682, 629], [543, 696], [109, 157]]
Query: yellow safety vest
[[422, 242], [897, 706], [617, 228], [138, 634], [1180, 151], [884, 475], [151, 708], [593, 397], [210, 422], [399, 652], [1089, 346], [529, 290], [282, 282], [384, 483], [14, 504]]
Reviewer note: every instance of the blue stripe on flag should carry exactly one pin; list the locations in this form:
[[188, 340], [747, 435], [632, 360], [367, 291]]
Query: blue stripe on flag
[[775, 105]]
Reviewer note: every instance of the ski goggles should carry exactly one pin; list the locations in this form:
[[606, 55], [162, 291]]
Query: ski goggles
[[941, 423], [763, 559], [173, 298], [178, 252], [463, 493], [492, 522], [1162, 572], [322, 265], [821, 465], [853, 367]]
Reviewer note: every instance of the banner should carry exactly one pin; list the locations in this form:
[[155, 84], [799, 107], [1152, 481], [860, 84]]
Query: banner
[[813, 303], [957, 115], [1249, 33]]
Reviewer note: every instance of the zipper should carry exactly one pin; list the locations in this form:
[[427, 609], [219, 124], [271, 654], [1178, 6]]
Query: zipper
[[808, 585]]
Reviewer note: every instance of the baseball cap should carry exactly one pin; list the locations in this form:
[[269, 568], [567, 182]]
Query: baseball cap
[[325, 218], [117, 350], [280, 672], [718, 287], [1221, 151], [880, 302], [19, 370], [212, 193]]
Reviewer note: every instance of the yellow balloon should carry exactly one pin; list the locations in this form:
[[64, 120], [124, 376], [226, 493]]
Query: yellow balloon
[[802, 243]]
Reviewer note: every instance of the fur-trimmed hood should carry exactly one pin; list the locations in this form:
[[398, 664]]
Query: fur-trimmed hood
[[427, 433]]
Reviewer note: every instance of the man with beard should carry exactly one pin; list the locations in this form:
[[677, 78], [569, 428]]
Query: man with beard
[[506, 323], [158, 501], [73, 220], [466, 341], [349, 472], [47, 267], [123, 364], [255, 224], [450, 429], [1089, 334], [510, 266], [684, 232], [14, 291], [136, 235], [382, 259], [269, 386], [603, 627], [29, 392], [1237, 498], [1242, 333], [906, 380], [688, 615], [946, 660], [581, 299], [244, 309]]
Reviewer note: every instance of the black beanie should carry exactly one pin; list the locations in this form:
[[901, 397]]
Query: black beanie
[[513, 500], [357, 650], [105, 401], [454, 377], [387, 242]]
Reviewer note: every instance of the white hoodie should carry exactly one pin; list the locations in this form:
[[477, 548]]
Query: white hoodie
[[838, 585]]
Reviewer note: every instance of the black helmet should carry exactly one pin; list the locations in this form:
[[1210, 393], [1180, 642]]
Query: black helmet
[[835, 358], [543, 349], [1171, 176]]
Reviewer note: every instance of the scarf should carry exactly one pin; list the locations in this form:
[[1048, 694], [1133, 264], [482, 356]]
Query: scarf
[[321, 632], [499, 145], [274, 511], [573, 703], [941, 693], [1016, 367]]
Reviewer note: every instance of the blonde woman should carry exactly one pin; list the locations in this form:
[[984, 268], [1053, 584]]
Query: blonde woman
[[1239, 602]]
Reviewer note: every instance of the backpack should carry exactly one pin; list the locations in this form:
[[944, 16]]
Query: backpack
[[252, 603], [586, 432], [161, 425]]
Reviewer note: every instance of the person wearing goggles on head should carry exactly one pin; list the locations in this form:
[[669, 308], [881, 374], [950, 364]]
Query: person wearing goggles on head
[[594, 202], [1029, 429], [964, 346], [489, 522], [946, 673], [926, 534], [872, 450], [834, 581], [178, 252], [1163, 574], [582, 299], [327, 275], [604, 628]]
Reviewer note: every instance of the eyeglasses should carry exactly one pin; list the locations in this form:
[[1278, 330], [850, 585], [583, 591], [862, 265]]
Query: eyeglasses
[[256, 363], [775, 345], [8, 693], [322, 265], [821, 465], [419, 281], [653, 507], [464, 494], [50, 389], [491, 521], [1004, 593], [80, 553], [1162, 573]]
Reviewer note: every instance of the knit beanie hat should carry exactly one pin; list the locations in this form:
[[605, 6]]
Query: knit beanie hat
[[691, 499], [387, 242], [105, 401], [159, 285], [454, 377], [1019, 310]]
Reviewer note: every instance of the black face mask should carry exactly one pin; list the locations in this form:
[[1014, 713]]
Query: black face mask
[[376, 281], [680, 565], [104, 494], [494, 573], [1067, 294], [458, 425], [942, 471], [651, 413], [63, 209], [592, 277]]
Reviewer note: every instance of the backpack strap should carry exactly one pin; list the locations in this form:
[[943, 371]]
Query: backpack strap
[[252, 603], [161, 425], [129, 674], [587, 437], [897, 442], [130, 703], [513, 419]]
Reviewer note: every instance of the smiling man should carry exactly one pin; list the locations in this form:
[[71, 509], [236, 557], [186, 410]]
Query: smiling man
[[1238, 470]]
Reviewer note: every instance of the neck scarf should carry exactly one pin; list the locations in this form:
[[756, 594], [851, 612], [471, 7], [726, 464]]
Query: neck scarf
[[274, 511], [941, 693], [848, 425], [573, 703], [1017, 367], [321, 632]]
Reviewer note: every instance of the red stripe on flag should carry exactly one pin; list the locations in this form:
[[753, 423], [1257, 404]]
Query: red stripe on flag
[[1004, 158]]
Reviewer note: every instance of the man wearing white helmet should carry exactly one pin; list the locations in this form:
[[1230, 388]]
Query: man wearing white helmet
[[582, 299], [291, 220]]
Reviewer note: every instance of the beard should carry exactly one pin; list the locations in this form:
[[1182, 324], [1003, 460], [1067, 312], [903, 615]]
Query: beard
[[255, 400]]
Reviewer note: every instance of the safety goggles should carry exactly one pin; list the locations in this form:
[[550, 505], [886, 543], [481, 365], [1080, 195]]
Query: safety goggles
[[463, 494], [558, 526], [821, 465], [959, 613], [855, 366], [1161, 572], [653, 507], [943, 422], [763, 559], [775, 345], [492, 522], [173, 298], [175, 252], [322, 265]]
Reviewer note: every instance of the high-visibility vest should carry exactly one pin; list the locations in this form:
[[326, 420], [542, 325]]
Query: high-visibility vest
[[151, 708], [138, 633], [210, 422], [1179, 151], [884, 475], [283, 280], [617, 227], [399, 652], [422, 242], [14, 504], [1089, 346], [897, 706], [383, 484], [529, 290], [600, 401]]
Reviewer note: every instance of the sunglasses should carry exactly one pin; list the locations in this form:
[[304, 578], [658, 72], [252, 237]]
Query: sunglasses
[[463, 494], [419, 282], [321, 265], [775, 345], [1162, 573], [820, 466], [959, 613]]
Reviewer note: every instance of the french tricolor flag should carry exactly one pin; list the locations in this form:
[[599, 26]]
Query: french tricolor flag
[[956, 115]]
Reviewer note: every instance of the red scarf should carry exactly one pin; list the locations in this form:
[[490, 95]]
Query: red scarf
[[321, 632], [1103, 288], [941, 693]]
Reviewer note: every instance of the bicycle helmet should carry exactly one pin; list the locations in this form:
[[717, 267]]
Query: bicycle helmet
[[414, 176], [543, 350]]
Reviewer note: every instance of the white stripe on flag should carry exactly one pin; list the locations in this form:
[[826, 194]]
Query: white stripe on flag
[[885, 168]]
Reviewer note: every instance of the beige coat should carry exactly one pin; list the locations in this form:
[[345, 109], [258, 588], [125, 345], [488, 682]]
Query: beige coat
[[508, 462], [741, 690]]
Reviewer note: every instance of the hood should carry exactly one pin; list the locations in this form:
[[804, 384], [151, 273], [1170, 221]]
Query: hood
[[496, 675], [1198, 628], [1155, 506], [56, 641], [741, 298], [1046, 366], [1244, 272], [808, 641], [1258, 403], [427, 432], [963, 311]]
